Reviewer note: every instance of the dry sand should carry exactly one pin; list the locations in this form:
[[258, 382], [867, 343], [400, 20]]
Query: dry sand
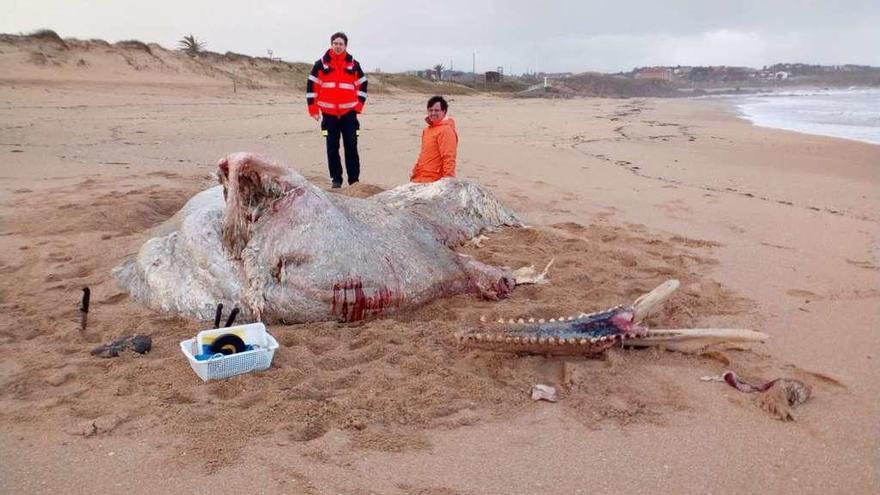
[[768, 230]]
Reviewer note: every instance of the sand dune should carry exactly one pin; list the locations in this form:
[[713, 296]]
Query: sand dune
[[46, 58]]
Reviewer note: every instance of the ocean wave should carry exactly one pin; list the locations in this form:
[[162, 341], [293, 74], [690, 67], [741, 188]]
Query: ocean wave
[[852, 113]]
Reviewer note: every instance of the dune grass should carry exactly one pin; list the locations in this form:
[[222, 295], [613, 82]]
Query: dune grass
[[47, 35]]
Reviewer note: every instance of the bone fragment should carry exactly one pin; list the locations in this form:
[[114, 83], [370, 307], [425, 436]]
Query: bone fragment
[[644, 304], [703, 336], [527, 275], [544, 392], [477, 241]]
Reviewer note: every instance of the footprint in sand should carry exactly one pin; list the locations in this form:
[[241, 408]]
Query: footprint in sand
[[321, 345], [76, 272], [304, 432], [99, 425], [863, 264], [694, 243], [776, 246], [58, 377], [676, 209], [9, 269], [59, 257], [803, 293], [167, 175], [572, 227], [226, 390], [114, 299], [349, 359], [87, 184]]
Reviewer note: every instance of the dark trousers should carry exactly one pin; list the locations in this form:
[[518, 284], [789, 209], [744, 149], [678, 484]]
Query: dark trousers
[[348, 126]]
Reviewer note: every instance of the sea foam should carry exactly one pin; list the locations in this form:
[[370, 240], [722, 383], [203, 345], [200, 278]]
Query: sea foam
[[842, 113]]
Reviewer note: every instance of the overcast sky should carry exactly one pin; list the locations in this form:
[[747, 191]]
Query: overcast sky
[[551, 36]]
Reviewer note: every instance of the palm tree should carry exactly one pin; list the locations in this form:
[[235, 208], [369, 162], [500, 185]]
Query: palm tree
[[191, 45], [438, 69]]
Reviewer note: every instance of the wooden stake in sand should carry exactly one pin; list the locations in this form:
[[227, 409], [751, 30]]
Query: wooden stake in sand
[[84, 309]]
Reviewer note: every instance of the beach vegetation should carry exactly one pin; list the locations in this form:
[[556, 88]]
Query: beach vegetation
[[47, 35], [191, 45], [233, 56], [134, 45]]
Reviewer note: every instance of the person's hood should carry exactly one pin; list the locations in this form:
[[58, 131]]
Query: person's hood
[[446, 121]]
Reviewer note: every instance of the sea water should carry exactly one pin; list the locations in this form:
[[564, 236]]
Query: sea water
[[843, 113]]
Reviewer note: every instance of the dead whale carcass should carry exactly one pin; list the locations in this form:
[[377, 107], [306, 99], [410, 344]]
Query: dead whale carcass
[[285, 250]]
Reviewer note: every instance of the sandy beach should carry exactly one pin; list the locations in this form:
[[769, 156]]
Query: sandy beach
[[769, 230]]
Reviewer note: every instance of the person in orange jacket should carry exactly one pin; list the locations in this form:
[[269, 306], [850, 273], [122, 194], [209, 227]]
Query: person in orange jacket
[[439, 144], [335, 93]]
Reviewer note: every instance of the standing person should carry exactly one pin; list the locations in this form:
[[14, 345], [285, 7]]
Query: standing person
[[439, 144], [335, 93]]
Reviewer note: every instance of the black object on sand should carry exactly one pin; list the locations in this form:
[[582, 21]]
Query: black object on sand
[[84, 309], [138, 343]]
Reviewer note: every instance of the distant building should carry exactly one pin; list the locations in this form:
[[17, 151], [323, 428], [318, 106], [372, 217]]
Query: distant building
[[781, 75], [554, 75], [654, 73], [493, 77]]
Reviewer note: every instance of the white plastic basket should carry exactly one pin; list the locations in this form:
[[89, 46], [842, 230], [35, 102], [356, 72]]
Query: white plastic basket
[[220, 366]]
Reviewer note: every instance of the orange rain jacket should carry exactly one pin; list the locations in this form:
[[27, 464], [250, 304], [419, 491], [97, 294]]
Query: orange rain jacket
[[336, 85], [439, 149]]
